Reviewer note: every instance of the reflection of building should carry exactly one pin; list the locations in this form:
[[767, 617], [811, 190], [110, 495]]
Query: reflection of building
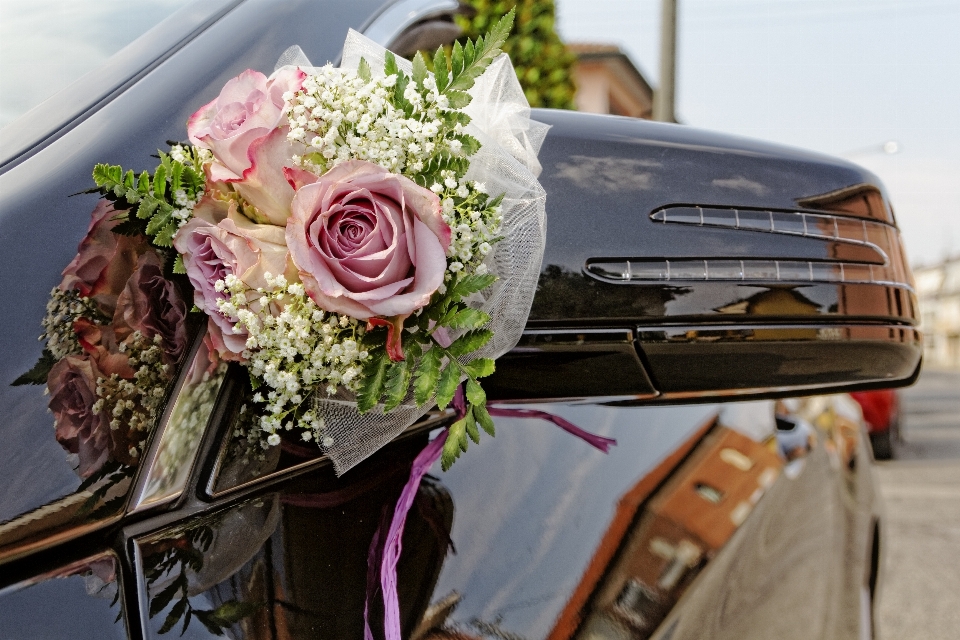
[[609, 82], [938, 288], [661, 536]]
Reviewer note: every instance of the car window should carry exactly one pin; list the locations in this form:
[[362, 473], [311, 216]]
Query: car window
[[47, 44]]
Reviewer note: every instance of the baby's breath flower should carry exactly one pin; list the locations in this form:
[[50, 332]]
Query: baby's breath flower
[[294, 348]]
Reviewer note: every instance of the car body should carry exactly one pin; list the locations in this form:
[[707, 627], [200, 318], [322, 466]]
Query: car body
[[705, 521]]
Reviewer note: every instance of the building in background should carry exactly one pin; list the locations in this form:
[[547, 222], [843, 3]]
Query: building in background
[[608, 82], [938, 289]]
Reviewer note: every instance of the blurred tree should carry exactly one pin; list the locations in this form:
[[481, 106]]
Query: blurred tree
[[544, 64]]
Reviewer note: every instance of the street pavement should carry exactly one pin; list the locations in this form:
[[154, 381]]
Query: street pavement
[[920, 590]]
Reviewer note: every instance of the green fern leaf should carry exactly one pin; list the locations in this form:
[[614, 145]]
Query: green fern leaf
[[480, 368], [419, 69], [484, 51], [475, 393], [467, 319], [160, 181], [175, 177], [451, 448], [427, 375], [440, 70], [470, 342], [456, 61], [164, 237], [483, 418], [363, 70], [447, 387], [396, 385], [159, 220], [390, 64], [147, 207], [371, 388], [472, 284], [458, 99], [471, 428]]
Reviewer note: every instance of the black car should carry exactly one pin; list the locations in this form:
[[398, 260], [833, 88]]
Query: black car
[[689, 280]]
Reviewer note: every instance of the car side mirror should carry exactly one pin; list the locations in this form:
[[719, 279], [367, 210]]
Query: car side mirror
[[684, 265]]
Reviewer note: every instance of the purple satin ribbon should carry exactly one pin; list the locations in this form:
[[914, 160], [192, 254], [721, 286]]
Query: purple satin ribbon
[[599, 442], [422, 463], [392, 545]]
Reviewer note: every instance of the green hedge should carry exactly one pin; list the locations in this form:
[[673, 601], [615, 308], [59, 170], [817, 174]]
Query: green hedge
[[543, 63]]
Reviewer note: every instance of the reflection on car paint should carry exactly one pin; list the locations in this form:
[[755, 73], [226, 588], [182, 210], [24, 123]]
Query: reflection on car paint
[[86, 594], [293, 564], [171, 457], [115, 332], [298, 561]]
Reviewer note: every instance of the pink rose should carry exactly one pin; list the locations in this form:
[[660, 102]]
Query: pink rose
[[152, 305], [367, 242], [235, 246], [245, 128], [72, 384], [104, 260], [102, 345]]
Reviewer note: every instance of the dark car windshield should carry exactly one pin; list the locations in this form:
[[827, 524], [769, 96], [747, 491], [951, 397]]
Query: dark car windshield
[[47, 44]]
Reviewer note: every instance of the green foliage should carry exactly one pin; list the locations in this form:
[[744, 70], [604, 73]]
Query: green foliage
[[435, 370], [99, 484], [149, 199], [169, 563], [469, 59], [543, 64], [464, 428], [374, 377], [38, 374]]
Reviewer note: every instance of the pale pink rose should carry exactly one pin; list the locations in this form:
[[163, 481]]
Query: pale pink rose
[[72, 384], [152, 305], [217, 200], [236, 246], [366, 242], [104, 260], [245, 128], [218, 346]]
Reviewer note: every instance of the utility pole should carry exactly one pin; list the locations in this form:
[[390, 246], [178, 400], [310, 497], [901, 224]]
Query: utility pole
[[663, 96]]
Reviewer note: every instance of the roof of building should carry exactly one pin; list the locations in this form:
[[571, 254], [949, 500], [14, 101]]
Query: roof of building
[[611, 54]]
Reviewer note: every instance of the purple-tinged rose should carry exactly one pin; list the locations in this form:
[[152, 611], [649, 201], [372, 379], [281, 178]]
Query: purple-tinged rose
[[366, 242], [152, 305], [245, 128], [236, 246], [72, 384], [104, 260]]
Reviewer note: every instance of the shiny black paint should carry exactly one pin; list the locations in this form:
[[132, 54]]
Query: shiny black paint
[[613, 181]]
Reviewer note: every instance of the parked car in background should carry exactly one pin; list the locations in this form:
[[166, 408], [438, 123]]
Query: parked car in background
[[881, 414], [689, 279]]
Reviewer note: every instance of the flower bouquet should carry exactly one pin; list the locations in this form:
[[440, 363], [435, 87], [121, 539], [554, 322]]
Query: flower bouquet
[[362, 239]]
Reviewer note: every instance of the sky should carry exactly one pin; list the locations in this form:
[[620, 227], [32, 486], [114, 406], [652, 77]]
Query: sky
[[836, 76]]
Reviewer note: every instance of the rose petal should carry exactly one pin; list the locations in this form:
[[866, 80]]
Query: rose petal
[[432, 264]]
